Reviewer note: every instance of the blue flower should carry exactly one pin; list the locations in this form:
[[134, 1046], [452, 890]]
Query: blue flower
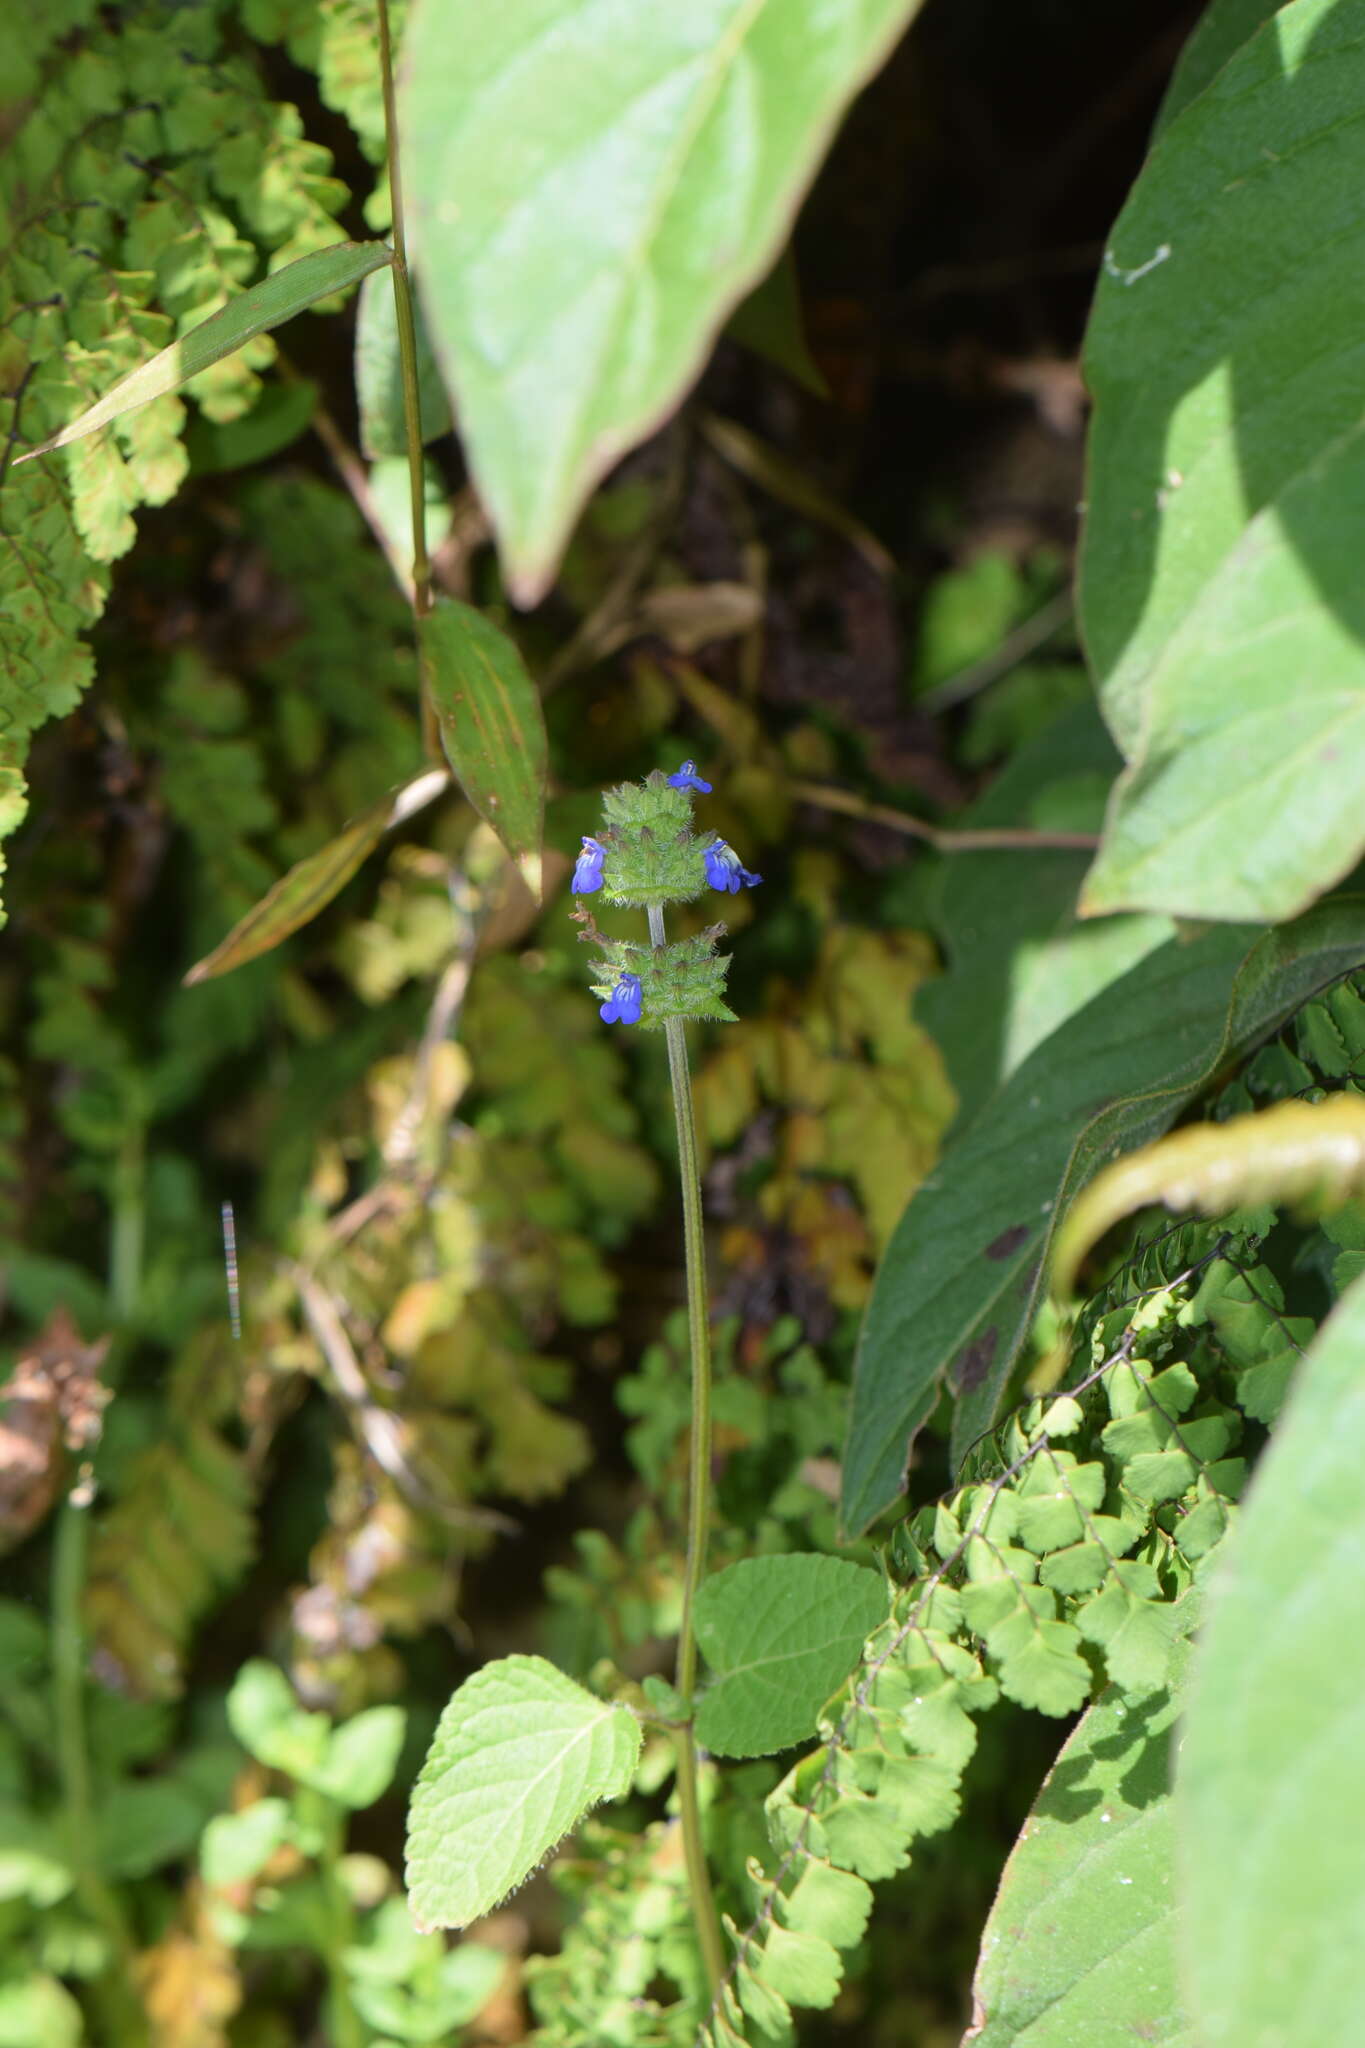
[[688, 778], [623, 1007], [723, 870], [587, 874]]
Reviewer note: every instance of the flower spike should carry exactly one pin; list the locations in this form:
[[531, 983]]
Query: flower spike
[[723, 870], [687, 777], [587, 874], [623, 1005]]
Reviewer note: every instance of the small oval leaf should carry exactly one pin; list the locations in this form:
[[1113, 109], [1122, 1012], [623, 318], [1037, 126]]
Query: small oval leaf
[[492, 726], [1291, 1153], [519, 1756], [262, 306]]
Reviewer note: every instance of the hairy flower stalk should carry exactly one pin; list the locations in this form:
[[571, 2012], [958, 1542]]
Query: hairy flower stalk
[[648, 856]]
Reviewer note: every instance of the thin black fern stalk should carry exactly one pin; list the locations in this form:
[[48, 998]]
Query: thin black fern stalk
[[407, 330], [698, 1483]]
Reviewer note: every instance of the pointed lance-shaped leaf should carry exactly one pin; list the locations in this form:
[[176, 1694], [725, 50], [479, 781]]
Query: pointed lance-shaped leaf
[[311, 883], [492, 726], [267, 304]]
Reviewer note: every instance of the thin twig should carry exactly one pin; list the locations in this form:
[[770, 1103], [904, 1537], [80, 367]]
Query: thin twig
[[987, 839]]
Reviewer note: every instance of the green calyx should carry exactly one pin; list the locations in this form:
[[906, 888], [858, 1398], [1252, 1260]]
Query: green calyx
[[684, 979], [653, 857]]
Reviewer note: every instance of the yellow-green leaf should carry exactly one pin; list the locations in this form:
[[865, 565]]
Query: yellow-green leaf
[[492, 727], [312, 882], [1294, 1152]]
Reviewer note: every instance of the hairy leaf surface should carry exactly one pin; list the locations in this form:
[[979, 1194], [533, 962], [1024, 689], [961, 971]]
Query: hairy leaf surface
[[1271, 1777], [956, 1291], [519, 1756], [594, 187]]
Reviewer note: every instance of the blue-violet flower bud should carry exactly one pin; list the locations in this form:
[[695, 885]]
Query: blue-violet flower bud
[[623, 1005], [587, 874], [723, 870], [687, 777]]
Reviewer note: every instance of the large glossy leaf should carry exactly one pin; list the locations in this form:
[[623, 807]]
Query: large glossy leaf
[[1246, 797], [957, 1287], [1270, 1784], [594, 185], [492, 725], [1019, 960], [1291, 1153], [1080, 1945], [262, 306], [519, 1756], [780, 1634], [1226, 355]]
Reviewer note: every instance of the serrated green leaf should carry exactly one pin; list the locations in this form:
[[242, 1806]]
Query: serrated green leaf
[[256, 310], [577, 250], [961, 1277], [1080, 1945], [1222, 607], [802, 1967], [492, 726], [781, 1635], [519, 1756], [378, 375], [361, 1757], [1271, 1771], [312, 883], [267, 1720], [827, 1901]]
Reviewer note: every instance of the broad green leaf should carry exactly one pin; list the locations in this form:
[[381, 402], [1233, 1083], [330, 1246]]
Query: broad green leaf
[[1246, 797], [1218, 35], [519, 1756], [261, 306], [1291, 1153], [1271, 1778], [781, 1634], [1019, 960], [1225, 355], [492, 726], [379, 378], [312, 883], [267, 1720], [1080, 1944], [595, 184], [955, 1295]]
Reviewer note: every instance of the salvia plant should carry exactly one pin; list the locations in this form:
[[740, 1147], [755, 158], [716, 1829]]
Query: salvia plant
[[1093, 1462]]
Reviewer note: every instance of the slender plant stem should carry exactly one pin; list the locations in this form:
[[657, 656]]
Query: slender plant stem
[[407, 330], [121, 2015], [698, 1485]]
